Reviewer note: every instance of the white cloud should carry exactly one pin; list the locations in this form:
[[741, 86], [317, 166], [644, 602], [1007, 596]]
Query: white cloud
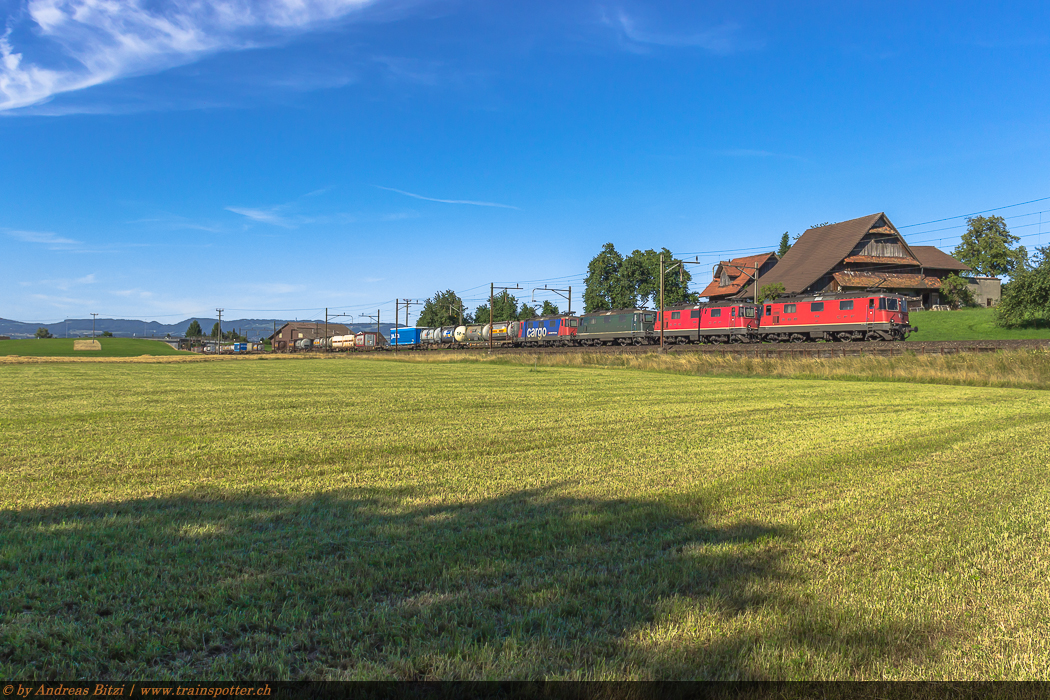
[[263, 216], [721, 39], [81, 43], [51, 240], [448, 201]]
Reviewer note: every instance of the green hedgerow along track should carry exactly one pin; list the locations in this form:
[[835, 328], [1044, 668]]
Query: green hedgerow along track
[[374, 519]]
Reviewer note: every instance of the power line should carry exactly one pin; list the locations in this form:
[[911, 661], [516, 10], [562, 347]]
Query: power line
[[960, 216]]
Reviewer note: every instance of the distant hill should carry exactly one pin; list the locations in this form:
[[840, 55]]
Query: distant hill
[[254, 328]]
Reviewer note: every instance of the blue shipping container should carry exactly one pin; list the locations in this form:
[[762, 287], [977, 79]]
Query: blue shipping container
[[405, 336]]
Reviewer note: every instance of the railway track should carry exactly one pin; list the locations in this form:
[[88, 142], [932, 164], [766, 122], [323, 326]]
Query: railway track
[[777, 350]]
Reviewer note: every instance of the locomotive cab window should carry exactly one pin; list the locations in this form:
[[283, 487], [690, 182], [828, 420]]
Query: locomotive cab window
[[789, 308], [732, 312], [572, 323], [769, 309], [649, 318], [882, 303], [715, 313], [749, 311], [846, 305], [891, 304]]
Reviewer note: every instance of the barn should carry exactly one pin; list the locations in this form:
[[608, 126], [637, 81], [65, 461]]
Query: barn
[[864, 253]]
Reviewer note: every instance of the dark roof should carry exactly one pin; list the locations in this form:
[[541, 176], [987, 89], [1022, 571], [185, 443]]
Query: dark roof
[[817, 251], [932, 256]]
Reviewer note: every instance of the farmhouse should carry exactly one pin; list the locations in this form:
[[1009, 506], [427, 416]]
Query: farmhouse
[[863, 253], [730, 277], [292, 331]]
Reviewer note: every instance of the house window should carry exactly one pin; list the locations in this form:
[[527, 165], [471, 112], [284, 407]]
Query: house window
[[816, 306], [300, 335], [676, 315], [846, 305], [789, 308]]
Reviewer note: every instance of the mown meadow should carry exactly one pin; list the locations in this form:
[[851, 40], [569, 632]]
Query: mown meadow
[[363, 518], [63, 347]]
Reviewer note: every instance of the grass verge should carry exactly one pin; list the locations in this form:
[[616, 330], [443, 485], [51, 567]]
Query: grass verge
[[971, 324]]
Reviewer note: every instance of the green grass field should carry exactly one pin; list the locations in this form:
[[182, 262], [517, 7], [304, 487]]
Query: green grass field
[[363, 518], [970, 324], [63, 347]]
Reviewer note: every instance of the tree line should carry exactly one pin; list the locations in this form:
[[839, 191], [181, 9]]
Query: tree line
[[194, 330]]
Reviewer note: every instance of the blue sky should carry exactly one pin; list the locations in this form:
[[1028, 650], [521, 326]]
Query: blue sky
[[161, 158]]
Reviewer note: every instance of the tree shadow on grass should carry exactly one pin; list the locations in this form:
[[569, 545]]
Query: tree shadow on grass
[[364, 584]]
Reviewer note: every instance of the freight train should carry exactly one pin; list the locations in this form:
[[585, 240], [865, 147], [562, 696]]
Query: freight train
[[848, 317]]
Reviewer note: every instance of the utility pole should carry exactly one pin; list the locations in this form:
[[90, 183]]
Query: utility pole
[[492, 300], [218, 342], [93, 325], [325, 324], [397, 310], [663, 272], [559, 292]]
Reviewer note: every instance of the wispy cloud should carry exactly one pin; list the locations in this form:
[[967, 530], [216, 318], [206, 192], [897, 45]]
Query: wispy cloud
[[52, 240], [263, 216], [75, 44], [721, 39], [448, 201]]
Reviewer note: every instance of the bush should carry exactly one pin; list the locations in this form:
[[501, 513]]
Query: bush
[[956, 292]]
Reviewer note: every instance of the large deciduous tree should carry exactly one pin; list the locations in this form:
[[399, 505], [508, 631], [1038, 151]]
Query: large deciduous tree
[[640, 273], [604, 288], [615, 282], [526, 312], [986, 247], [1027, 296], [549, 309], [504, 308], [443, 309], [43, 332]]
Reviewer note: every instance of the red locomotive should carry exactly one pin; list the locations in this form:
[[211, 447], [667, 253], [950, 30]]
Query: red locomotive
[[716, 322], [840, 317], [837, 318]]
